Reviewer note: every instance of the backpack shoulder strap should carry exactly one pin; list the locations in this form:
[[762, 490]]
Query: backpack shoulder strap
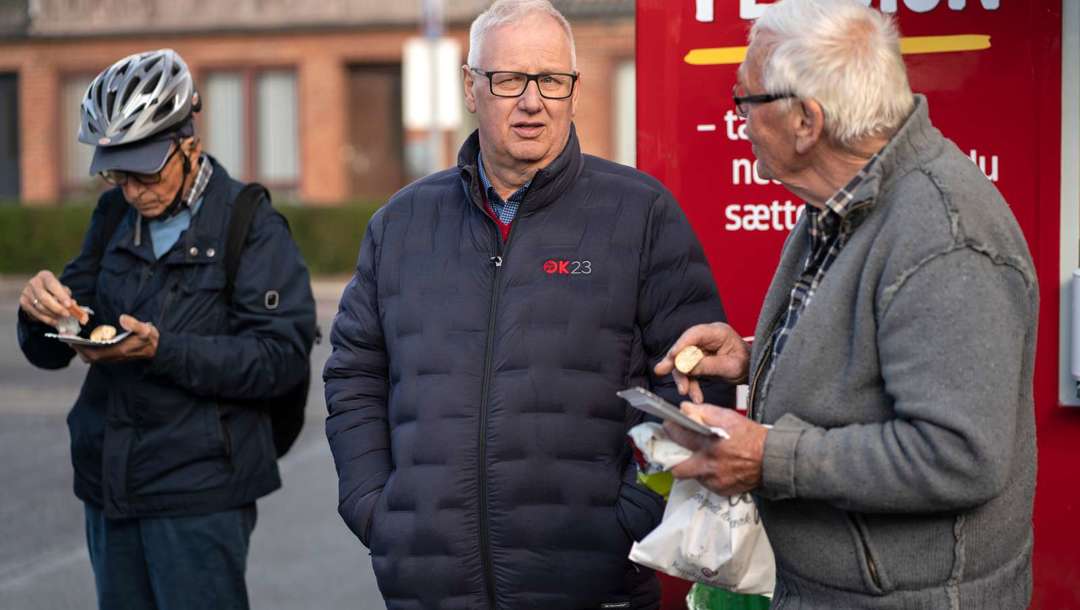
[[239, 223]]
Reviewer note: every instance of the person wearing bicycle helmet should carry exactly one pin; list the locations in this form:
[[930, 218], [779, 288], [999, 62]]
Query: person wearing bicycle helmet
[[169, 448]]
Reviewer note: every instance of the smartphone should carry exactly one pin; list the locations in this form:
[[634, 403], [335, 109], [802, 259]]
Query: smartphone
[[646, 401]]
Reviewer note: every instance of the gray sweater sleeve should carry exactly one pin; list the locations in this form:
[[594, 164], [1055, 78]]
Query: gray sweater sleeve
[[950, 339]]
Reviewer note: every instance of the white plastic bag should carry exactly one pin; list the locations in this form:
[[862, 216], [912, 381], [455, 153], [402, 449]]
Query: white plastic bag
[[704, 537]]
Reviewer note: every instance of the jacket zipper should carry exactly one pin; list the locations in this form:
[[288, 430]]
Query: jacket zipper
[[768, 336], [754, 415], [169, 297], [496, 261], [765, 357]]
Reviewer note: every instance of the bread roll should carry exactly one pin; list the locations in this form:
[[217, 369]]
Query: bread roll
[[688, 358], [103, 333]]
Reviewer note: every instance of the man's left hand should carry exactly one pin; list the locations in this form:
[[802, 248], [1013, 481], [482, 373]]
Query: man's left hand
[[140, 345], [729, 466]]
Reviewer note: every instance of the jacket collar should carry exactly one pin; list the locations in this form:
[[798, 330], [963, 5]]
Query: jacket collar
[[206, 234], [547, 185], [916, 139]]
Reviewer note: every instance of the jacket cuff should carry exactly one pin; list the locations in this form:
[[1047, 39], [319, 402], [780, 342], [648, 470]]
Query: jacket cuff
[[168, 354], [778, 464], [26, 327]]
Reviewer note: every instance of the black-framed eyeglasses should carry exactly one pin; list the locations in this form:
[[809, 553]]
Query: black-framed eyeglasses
[[117, 177], [743, 102], [551, 85]]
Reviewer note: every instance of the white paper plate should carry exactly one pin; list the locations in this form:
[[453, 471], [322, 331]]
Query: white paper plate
[[73, 340]]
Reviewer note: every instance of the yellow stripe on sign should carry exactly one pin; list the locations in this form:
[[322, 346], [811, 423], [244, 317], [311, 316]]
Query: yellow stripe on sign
[[911, 45], [715, 57], [916, 45]]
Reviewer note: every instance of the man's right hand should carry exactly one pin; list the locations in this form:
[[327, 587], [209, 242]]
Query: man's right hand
[[46, 300], [727, 356]]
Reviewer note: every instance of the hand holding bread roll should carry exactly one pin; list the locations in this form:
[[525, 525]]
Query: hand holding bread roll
[[724, 355]]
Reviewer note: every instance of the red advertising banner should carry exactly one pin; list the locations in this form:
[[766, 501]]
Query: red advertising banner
[[991, 70]]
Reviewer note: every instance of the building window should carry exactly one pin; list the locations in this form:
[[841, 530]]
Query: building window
[[76, 155], [251, 124], [276, 136], [625, 113], [223, 126], [9, 138]]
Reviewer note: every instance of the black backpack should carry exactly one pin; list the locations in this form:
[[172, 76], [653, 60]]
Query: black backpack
[[286, 411]]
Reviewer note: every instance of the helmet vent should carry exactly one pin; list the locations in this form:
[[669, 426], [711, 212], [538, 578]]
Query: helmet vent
[[132, 85], [150, 64], [164, 109], [153, 82], [110, 101]]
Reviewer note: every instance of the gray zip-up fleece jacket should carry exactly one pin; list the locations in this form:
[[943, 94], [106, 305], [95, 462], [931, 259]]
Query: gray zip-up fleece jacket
[[900, 470]]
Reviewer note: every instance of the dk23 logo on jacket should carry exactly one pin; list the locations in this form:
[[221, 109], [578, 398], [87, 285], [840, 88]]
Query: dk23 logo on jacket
[[564, 267]]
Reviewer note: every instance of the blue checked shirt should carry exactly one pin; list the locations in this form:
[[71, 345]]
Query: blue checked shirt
[[505, 210], [828, 236]]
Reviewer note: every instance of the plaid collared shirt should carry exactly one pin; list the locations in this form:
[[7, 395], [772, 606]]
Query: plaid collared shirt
[[828, 236], [202, 178], [505, 210]]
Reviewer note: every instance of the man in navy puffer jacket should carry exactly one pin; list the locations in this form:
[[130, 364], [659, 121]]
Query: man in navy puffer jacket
[[496, 309]]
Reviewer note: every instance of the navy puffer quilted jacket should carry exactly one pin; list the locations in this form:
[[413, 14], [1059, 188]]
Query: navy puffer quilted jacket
[[481, 450]]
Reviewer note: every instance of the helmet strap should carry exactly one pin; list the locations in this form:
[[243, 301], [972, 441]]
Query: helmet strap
[[178, 200]]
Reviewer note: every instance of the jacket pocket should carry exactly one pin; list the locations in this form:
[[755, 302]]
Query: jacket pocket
[[196, 300], [371, 531], [226, 435], [218, 434], [874, 576]]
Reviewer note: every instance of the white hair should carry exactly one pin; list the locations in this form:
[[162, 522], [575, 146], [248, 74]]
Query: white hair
[[504, 12], [842, 54]]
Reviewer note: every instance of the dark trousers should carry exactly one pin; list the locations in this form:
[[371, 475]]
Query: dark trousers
[[171, 563]]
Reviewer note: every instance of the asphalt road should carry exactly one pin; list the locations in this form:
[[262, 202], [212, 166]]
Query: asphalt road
[[302, 555]]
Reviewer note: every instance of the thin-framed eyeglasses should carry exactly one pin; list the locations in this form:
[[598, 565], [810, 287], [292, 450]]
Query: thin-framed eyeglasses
[[117, 177], [743, 102], [551, 85]]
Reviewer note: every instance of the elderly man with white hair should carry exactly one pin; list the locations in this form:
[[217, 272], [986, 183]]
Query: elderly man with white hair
[[497, 308], [891, 437]]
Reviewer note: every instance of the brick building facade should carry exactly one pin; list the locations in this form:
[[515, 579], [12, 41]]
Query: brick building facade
[[304, 95]]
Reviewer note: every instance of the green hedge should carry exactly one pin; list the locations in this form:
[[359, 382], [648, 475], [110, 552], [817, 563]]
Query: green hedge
[[34, 238]]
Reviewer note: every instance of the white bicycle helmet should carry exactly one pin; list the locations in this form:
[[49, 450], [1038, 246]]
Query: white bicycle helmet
[[145, 97]]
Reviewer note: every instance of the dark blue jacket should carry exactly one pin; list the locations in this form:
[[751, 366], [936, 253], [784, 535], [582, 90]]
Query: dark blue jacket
[[182, 434], [481, 450]]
